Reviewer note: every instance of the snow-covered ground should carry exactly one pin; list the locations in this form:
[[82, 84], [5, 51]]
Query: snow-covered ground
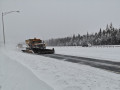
[[15, 76], [61, 75], [111, 53]]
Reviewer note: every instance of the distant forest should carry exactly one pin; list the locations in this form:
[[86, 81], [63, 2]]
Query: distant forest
[[108, 36]]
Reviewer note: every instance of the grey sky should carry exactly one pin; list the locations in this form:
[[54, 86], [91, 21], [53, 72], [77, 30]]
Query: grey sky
[[57, 18]]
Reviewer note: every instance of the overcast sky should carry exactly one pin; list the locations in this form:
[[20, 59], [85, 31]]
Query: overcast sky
[[47, 19]]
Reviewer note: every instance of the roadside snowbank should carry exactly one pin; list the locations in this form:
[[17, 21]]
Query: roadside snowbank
[[14, 76], [62, 75]]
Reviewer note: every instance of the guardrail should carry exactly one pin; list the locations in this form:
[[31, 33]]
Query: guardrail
[[106, 46], [97, 46]]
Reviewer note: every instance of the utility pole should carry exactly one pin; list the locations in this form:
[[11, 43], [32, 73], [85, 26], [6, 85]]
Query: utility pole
[[3, 28], [3, 14]]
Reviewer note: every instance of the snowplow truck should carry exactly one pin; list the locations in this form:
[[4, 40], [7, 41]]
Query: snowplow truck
[[37, 46]]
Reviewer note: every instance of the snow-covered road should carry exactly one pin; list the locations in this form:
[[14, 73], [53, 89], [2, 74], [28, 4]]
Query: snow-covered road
[[15, 76], [62, 75], [102, 64], [103, 53]]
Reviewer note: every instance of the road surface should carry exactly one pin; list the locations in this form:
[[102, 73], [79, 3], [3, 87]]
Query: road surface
[[102, 64]]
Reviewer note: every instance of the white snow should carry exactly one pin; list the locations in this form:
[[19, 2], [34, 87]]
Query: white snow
[[14, 76], [111, 53], [62, 75]]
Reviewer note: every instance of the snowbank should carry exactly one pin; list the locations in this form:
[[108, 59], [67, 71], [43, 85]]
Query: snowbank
[[14, 76]]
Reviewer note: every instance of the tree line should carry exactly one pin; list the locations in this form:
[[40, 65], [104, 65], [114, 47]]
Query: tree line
[[108, 36]]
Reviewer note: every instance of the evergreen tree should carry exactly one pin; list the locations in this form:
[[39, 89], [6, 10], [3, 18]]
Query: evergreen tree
[[108, 36]]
